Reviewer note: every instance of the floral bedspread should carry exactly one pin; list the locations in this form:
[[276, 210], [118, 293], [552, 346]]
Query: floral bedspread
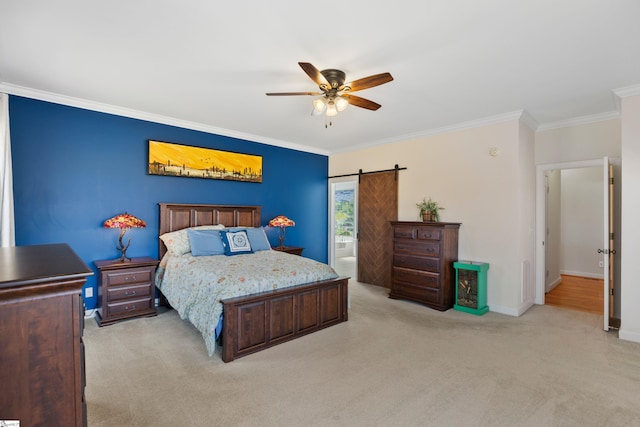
[[194, 286]]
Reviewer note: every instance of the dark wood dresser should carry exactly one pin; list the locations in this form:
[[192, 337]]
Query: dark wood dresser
[[423, 257], [41, 321], [126, 289]]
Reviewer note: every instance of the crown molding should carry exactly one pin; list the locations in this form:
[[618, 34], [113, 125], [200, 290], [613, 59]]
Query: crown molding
[[627, 91], [528, 120], [583, 120], [150, 117], [624, 92]]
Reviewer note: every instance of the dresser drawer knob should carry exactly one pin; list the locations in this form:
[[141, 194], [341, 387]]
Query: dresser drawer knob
[[127, 278], [127, 308], [129, 293]]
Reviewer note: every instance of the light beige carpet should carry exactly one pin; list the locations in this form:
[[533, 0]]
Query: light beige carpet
[[393, 363]]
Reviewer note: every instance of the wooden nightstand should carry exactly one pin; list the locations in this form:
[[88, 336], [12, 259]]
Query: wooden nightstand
[[125, 289], [294, 250]]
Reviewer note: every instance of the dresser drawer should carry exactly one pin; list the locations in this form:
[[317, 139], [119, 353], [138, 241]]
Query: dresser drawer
[[418, 278], [129, 307], [429, 234], [425, 248], [116, 293], [416, 262], [138, 275], [404, 232], [414, 292], [419, 233]]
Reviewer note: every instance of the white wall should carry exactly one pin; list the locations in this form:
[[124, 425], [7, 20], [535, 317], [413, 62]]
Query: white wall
[[582, 142], [491, 196], [630, 244], [526, 218], [582, 221]]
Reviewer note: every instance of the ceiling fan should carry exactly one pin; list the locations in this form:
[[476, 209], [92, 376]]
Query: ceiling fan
[[335, 94]]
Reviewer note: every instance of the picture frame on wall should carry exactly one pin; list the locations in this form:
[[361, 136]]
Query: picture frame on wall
[[171, 159]]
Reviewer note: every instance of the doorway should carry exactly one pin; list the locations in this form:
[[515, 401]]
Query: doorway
[[343, 241], [570, 229]]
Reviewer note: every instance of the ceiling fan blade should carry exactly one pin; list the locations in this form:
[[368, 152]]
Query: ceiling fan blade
[[371, 81], [314, 73], [361, 102], [293, 93]]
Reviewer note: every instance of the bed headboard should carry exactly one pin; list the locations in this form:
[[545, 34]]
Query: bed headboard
[[176, 216]]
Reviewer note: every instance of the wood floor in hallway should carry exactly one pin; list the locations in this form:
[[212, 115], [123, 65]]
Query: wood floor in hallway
[[578, 293]]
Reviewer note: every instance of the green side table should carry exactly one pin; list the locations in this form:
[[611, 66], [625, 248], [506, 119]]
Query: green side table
[[471, 287]]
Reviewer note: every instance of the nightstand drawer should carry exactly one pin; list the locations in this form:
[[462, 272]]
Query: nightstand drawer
[[129, 276], [129, 307], [128, 292]]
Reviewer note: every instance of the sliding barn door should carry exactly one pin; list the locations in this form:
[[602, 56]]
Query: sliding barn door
[[377, 205]]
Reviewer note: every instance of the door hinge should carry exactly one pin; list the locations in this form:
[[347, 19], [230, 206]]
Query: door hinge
[[611, 292], [611, 181], [611, 236]]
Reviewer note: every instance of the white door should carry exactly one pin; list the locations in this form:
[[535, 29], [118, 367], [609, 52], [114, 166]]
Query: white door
[[607, 239]]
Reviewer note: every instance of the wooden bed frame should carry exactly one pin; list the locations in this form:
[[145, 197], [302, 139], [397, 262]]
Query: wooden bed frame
[[259, 321]]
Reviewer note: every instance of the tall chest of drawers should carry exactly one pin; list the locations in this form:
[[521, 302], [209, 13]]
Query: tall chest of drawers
[[125, 289], [41, 324], [423, 257]]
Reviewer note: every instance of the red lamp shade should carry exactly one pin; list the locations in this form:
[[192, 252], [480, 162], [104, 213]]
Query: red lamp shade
[[124, 222], [281, 222]]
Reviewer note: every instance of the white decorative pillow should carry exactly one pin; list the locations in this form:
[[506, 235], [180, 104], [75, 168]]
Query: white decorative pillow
[[236, 242], [177, 242], [257, 238]]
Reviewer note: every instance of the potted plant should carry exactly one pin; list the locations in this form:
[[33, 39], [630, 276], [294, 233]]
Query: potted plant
[[429, 210]]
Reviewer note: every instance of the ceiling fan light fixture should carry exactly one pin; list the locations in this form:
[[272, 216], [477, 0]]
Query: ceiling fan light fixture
[[319, 104], [331, 109], [333, 97], [341, 103]]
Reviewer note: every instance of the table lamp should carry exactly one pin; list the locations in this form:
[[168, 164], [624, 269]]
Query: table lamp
[[124, 222], [281, 222]]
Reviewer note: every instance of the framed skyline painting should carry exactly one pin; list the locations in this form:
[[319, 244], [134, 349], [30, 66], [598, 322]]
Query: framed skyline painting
[[166, 158]]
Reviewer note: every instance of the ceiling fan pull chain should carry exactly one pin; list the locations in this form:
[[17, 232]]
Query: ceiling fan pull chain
[[327, 122]]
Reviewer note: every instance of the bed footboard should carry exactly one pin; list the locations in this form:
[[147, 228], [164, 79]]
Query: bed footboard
[[256, 322]]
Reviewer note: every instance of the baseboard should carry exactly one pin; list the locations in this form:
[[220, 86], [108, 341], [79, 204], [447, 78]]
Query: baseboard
[[581, 274], [553, 284], [503, 310], [629, 336], [517, 312]]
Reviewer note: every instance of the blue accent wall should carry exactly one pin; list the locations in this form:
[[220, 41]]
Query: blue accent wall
[[75, 168]]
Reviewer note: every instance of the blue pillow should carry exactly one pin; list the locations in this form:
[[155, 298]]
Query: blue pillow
[[257, 238], [235, 242], [205, 242]]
